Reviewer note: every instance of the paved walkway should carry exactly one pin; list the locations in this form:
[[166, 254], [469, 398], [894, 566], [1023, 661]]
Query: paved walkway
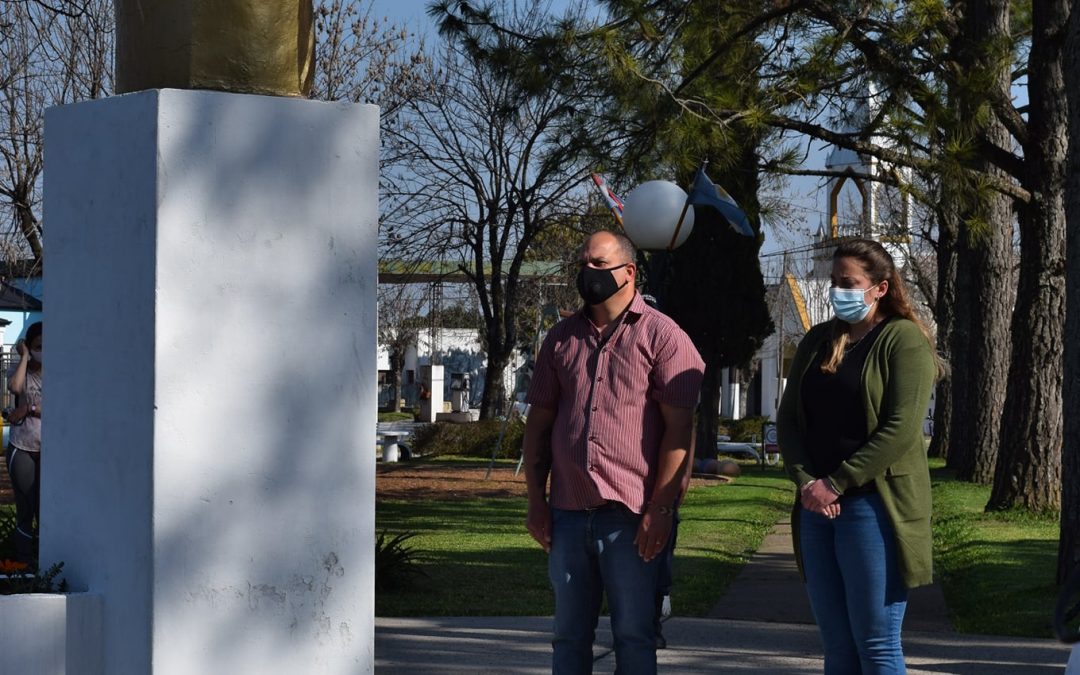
[[769, 589], [762, 625], [510, 645]]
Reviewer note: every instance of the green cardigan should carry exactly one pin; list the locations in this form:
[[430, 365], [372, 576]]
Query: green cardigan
[[897, 379]]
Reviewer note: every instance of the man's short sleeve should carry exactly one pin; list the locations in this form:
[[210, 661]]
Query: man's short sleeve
[[678, 370], [544, 386]]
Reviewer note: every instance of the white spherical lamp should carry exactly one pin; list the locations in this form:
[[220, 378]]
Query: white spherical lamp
[[651, 213]]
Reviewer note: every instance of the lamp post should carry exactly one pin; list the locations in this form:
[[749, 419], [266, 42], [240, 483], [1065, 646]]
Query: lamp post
[[657, 217]]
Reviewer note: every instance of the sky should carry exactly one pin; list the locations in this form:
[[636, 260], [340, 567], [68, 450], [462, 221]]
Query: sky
[[802, 192], [413, 13]]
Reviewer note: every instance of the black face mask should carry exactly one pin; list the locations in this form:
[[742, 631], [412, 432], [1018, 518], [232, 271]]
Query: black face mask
[[596, 285]]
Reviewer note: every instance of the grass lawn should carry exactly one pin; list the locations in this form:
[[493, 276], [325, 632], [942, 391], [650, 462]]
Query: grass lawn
[[480, 561], [996, 569]]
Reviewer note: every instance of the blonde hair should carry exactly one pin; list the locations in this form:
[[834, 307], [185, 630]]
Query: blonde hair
[[879, 266]]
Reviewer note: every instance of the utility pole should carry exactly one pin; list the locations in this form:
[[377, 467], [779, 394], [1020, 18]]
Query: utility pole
[[434, 316], [780, 333]]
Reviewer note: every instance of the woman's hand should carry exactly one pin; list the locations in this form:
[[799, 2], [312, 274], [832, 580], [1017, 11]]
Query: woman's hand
[[19, 414], [22, 349], [819, 497]]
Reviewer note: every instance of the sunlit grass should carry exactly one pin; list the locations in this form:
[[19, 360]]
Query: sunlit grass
[[996, 569], [480, 561]]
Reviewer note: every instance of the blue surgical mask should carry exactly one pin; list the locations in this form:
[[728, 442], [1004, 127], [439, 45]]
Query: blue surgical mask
[[849, 304]]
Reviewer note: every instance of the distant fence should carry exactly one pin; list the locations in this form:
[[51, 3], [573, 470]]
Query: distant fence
[[7, 364]]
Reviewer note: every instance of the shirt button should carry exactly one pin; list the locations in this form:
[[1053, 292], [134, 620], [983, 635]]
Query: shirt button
[[599, 379], [592, 438], [595, 408], [592, 468]]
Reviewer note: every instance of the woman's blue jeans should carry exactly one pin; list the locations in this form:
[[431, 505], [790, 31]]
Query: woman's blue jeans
[[855, 587], [593, 553]]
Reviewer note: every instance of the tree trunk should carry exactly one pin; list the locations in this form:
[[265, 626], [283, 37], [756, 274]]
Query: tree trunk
[[1029, 465], [981, 334], [708, 412], [1069, 542], [984, 297], [396, 364], [746, 377], [28, 225], [961, 450], [944, 312], [493, 402]]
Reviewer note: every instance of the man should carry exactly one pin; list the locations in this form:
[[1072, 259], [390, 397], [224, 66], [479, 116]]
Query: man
[[612, 401]]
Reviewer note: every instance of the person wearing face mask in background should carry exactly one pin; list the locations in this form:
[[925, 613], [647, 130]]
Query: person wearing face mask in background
[[612, 401], [24, 444], [850, 432]]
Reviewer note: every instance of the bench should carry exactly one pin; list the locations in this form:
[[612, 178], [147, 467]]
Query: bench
[[742, 449]]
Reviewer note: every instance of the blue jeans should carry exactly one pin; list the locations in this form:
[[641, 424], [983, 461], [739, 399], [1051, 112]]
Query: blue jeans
[[855, 588], [593, 553]]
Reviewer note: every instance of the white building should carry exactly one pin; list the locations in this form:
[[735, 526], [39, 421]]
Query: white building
[[459, 352], [866, 201]]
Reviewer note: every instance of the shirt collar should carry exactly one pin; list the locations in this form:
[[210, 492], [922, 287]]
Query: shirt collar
[[637, 307]]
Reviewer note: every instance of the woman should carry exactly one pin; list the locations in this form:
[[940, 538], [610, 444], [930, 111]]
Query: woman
[[850, 432], [24, 444]]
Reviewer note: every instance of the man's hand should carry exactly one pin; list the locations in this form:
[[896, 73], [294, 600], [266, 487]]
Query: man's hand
[[654, 532], [538, 520]]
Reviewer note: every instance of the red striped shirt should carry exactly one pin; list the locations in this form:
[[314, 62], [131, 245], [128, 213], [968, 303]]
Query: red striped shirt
[[607, 395]]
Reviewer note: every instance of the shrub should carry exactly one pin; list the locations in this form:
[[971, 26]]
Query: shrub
[[23, 578], [473, 439], [7, 533], [742, 430], [396, 565], [400, 416]]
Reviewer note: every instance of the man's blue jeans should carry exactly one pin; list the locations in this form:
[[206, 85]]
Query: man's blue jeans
[[855, 588], [592, 553]]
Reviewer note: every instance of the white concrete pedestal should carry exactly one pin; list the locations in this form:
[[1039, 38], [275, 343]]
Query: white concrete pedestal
[[432, 378], [51, 633], [211, 336]]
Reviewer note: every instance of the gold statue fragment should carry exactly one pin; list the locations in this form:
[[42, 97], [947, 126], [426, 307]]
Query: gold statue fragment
[[248, 46]]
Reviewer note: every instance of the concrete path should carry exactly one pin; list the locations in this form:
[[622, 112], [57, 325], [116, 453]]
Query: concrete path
[[769, 589], [521, 645], [762, 625]]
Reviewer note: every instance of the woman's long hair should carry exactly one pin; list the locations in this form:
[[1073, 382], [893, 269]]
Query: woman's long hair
[[879, 266], [32, 332]]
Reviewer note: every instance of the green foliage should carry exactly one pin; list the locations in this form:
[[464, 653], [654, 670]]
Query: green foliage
[[480, 560], [475, 439], [32, 580], [7, 531], [997, 569], [743, 430], [19, 578], [397, 566]]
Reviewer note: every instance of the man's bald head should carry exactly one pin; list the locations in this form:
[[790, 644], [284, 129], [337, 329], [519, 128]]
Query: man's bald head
[[621, 249]]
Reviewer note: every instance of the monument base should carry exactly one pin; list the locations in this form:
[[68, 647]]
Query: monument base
[[211, 304]]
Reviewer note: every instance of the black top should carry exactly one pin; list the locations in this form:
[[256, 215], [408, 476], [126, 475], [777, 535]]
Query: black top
[[835, 415]]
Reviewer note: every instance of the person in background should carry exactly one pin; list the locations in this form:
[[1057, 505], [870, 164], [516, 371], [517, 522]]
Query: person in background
[[24, 442], [850, 432], [612, 400], [666, 575]]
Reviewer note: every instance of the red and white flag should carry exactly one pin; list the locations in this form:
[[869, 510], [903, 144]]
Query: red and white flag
[[612, 199]]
